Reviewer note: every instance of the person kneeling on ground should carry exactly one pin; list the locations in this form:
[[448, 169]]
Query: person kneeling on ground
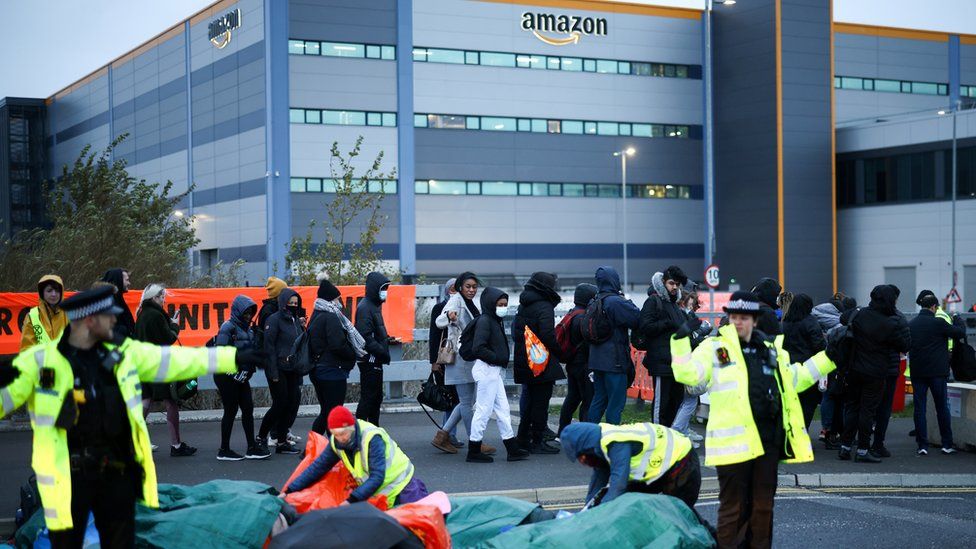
[[371, 456], [641, 457]]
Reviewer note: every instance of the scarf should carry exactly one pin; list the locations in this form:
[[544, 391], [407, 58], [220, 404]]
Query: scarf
[[356, 340]]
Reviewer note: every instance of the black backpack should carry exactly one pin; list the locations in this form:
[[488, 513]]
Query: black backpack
[[30, 501], [466, 347], [840, 344], [300, 357], [963, 361], [596, 326]]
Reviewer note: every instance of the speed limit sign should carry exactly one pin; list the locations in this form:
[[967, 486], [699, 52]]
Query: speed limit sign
[[711, 276]]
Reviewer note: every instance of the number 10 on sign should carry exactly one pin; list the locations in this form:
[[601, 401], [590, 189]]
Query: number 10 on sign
[[711, 276]]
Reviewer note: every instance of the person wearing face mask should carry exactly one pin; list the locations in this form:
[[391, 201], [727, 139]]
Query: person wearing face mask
[[371, 456], [447, 442], [45, 322], [491, 351], [334, 346], [369, 323], [660, 317], [281, 329]]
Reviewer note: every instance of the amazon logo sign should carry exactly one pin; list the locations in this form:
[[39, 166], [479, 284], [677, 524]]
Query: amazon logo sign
[[569, 28]]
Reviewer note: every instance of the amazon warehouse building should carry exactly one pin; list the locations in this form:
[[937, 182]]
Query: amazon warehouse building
[[833, 167]]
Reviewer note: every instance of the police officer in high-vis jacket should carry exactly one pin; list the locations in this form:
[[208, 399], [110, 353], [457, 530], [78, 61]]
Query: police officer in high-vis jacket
[[84, 394], [641, 457], [755, 419]]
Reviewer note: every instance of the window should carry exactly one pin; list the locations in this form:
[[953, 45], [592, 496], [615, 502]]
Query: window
[[607, 128], [342, 49], [297, 185], [553, 126], [335, 49], [530, 61], [296, 116], [589, 127], [389, 119], [474, 187], [420, 121], [471, 58], [589, 65], [893, 86], [890, 86], [493, 123], [445, 56], [388, 53], [313, 116], [343, 118], [314, 185], [524, 125], [329, 185], [499, 188], [605, 66], [312, 48], [572, 126], [445, 121], [447, 187], [540, 125], [372, 52], [574, 64], [296, 47], [572, 189], [492, 59]]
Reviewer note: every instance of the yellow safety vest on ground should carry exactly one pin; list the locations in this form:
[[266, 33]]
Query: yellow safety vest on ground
[[141, 362], [731, 435], [399, 470], [661, 448]]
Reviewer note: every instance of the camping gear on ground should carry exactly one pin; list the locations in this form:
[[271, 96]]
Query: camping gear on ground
[[359, 525]]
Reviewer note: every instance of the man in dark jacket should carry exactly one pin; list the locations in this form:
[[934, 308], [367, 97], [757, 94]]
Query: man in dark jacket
[[880, 333], [579, 392], [126, 324], [661, 317], [536, 312], [369, 323], [281, 329], [929, 358], [269, 306], [768, 290], [610, 360]]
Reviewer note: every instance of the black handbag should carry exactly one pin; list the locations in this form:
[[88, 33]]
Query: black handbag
[[437, 397]]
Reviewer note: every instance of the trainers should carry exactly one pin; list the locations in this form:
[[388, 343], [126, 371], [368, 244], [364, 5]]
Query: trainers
[[922, 452], [294, 439], [228, 455], [844, 454], [695, 437], [948, 451], [257, 452], [183, 450], [866, 457], [271, 441], [154, 447], [881, 452], [286, 448], [823, 435], [544, 448]]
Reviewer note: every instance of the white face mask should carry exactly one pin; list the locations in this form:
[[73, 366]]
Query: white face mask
[[382, 295], [502, 312]]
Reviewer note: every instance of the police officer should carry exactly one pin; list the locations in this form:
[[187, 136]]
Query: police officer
[[84, 395], [745, 442], [642, 457], [372, 458]]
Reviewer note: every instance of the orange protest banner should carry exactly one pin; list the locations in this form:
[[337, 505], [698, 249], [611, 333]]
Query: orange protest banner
[[202, 311]]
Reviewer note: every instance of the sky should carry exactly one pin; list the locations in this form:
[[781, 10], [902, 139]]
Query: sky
[[48, 44]]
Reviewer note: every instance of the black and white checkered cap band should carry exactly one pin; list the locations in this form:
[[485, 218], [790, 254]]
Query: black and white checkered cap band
[[91, 309], [743, 305]]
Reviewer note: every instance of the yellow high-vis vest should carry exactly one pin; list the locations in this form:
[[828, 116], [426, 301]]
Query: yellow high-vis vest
[[661, 448], [399, 470]]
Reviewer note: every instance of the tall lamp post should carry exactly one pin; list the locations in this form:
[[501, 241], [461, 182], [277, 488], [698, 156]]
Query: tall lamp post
[[955, 190], [629, 151]]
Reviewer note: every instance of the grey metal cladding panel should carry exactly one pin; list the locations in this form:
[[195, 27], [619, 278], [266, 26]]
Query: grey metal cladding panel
[[967, 61], [307, 207], [328, 82], [858, 105], [364, 21], [895, 58], [513, 156]]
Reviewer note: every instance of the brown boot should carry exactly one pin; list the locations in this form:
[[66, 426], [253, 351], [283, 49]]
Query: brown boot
[[442, 441], [487, 450]]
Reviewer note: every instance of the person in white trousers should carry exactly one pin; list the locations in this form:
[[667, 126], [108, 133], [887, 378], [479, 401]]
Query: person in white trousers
[[491, 352]]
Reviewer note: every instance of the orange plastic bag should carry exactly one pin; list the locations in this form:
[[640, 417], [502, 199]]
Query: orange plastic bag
[[426, 522], [332, 489], [536, 352]]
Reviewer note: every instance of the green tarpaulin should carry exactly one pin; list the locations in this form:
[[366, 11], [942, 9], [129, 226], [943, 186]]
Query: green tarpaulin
[[475, 519]]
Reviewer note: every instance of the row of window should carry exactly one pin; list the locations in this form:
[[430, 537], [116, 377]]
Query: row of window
[[894, 86], [542, 125], [342, 118], [501, 188], [967, 91], [910, 177], [341, 49], [554, 62]]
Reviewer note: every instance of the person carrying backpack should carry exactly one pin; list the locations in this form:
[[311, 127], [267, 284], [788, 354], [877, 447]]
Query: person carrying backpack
[[576, 353], [659, 319], [281, 329], [609, 358]]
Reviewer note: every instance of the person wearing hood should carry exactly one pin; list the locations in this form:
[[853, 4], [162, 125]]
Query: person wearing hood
[[491, 351], [880, 335], [579, 391], [435, 336], [610, 360], [536, 314], [334, 345], [45, 322], [755, 419], [661, 317], [153, 326], [281, 329], [369, 323], [828, 314], [640, 457], [803, 339], [269, 307], [459, 311], [378, 465], [235, 390], [831, 421], [768, 290], [126, 326]]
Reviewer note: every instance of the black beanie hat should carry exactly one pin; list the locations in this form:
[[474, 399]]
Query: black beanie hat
[[327, 291], [922, 294]]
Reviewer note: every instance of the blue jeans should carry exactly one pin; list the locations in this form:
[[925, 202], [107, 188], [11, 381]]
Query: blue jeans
[[826, 411], [937, 385], [609, 395], [683, 418]]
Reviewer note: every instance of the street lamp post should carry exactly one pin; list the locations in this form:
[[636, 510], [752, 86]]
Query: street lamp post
[[955, 183], [629, 151]]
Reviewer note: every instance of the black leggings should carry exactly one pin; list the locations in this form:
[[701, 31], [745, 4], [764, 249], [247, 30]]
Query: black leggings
[[579, 394], [286, 395], [533, 427], [235, 396], [331, 393]]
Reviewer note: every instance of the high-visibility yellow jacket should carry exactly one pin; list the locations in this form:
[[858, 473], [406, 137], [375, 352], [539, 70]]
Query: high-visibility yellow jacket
[[399, 470], [141, 362], [731, 435], [661, 448]]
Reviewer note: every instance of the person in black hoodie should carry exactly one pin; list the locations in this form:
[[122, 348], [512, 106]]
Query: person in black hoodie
[[334, 346], [660, 318], [281, 329], [490, 348], [125, 325], [803, 339], [768, 290], [579, 391], [880, 333], [369, 323], [536, 313]]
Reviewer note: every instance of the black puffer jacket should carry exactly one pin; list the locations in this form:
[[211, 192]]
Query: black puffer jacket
[[659, 319], [801, 330], [768, 290], [880, 333], [125, 325], [281, 329], [930, 344], [536, 310], [369, 321], [329, 346], [489, 342]]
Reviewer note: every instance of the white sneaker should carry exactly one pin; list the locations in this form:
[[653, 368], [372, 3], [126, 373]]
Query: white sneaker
[[154, 447], [272, 442], [293, 438], [695, 437], [922, 452], [949, 451]]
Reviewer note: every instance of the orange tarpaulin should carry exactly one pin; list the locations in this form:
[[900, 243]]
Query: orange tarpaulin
[[202, 311]]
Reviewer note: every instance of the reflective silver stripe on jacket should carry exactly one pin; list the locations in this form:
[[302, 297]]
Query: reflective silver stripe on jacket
[[50, 513], [46, 480], [646, 458], [405, 475], [164, 364], [725, 386], [728, 450], [725, 433], [812, 368], [39, 358], [8, 401], [212, 360], [44, 420], [135, 400]]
